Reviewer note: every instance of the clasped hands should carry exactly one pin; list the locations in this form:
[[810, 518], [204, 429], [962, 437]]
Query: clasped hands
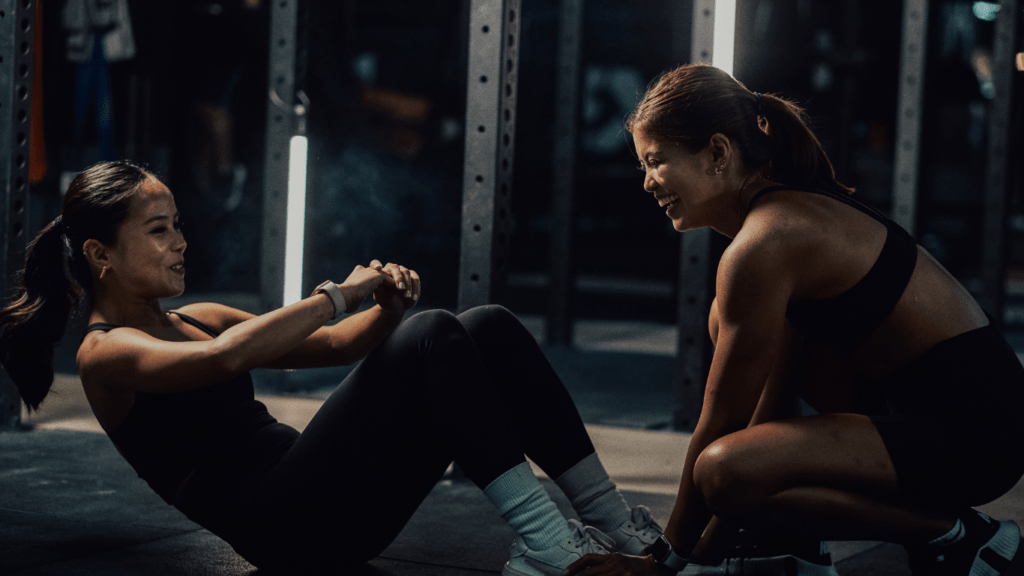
[[395, 288]]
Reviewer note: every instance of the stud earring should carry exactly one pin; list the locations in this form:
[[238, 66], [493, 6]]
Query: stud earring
[[102, 272], [718, 169]]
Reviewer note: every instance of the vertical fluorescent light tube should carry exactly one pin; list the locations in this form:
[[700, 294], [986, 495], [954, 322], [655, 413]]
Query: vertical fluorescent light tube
[[296, 220], [725, 35]]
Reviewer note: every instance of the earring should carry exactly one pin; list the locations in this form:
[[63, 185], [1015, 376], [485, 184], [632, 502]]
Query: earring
[[102, 272], [718, 169]]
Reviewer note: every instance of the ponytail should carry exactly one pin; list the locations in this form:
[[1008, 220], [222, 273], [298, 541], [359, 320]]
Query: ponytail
[[690, 104], [57, 275], [33, 325], [797, 157]]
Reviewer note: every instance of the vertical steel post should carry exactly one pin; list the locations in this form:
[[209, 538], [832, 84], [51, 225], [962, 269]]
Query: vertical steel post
[[909, 111], [997, 178], [17, 45], [280, 128], [570, 29], [696, 272], [490, 144]]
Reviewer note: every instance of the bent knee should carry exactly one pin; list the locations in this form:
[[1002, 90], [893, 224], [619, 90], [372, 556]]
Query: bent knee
[[421, 329], [723, 481], [433, 322], [487, 317]]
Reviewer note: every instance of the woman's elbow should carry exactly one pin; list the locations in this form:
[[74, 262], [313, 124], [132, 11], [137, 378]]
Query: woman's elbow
[[223, 360]]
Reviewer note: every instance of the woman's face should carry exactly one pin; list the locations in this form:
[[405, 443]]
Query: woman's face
[[148, 259], [678, 178]]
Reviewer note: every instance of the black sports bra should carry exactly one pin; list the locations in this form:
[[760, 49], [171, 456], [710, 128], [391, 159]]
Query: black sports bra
[[165, 437], [845, 322]]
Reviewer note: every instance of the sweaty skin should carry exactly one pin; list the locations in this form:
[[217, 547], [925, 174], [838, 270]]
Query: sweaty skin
[[790, 246]]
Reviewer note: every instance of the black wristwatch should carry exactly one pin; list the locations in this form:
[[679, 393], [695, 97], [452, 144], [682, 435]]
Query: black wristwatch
[[666, 558]]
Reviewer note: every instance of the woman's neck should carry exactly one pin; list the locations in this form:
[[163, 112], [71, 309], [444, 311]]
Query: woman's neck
[[127, 310], [733, 211]]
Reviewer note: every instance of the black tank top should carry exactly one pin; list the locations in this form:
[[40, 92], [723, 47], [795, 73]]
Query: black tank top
[[845, 322], [165, 437]]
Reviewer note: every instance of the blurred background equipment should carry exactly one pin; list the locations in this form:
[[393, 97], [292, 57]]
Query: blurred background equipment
[[17, 57], [492, 84], [916, 101]]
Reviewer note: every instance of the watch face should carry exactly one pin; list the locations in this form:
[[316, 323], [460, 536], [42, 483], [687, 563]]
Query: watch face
[[660, 549]]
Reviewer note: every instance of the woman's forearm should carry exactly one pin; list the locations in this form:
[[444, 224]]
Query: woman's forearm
[[691, 515], [356, 336], [248, 344]]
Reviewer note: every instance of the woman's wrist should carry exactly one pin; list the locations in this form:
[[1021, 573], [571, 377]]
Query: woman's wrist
[[398, 312], [326, 308], [665, 558]]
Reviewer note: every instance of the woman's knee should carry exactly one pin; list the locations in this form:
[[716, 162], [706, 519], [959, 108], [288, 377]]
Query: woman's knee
[[487, 318], [722, 479], [432, 323]]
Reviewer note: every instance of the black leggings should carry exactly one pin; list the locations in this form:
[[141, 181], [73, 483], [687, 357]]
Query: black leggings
[[475, 389]]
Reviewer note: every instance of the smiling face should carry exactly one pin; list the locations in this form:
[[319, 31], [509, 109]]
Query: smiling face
[[148, 258], [682, 181]]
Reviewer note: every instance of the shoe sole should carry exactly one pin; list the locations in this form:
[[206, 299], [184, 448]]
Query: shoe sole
[[701, 570], [997, 554], [510, 571], [776, 566]]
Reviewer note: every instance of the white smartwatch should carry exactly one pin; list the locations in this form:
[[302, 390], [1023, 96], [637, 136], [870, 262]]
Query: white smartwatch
[[334, 293], [666, 558]]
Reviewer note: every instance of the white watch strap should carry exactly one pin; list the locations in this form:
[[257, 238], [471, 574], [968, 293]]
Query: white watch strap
[[675, 561], [334, 293]]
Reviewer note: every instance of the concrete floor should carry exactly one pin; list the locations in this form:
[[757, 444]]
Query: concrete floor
[[69, 505]]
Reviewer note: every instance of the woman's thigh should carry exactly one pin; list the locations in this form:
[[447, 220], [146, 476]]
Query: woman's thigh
[[842, 451], [361, 467]]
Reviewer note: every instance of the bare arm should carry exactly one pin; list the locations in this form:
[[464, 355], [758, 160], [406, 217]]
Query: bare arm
[[780, 397], [341, 344], [752, 340], [132, 359]]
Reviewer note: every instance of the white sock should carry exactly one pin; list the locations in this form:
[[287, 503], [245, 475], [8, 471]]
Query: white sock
[[952, 537], [593, 494], [523, 503]]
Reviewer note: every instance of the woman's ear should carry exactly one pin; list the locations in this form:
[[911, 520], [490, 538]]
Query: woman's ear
[[720, 148], [96, 254]]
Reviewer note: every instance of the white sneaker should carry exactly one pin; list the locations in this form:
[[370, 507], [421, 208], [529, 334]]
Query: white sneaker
[[634, 535], [776, 565], [551, 561]]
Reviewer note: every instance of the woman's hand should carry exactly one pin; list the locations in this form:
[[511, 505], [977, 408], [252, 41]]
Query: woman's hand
[[614, 565], [361, 283], [401, 291]]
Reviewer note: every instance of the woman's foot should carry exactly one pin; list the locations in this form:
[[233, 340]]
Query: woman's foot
[[552, 561], [985, 549]]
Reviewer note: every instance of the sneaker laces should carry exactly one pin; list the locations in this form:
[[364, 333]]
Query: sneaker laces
[[641, 519], [588, 540]]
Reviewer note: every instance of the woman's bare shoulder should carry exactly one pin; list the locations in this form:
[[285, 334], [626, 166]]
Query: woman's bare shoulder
[[99, 348], [777, 234]]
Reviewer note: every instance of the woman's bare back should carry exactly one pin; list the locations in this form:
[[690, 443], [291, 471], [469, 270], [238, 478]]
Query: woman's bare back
[[838, 244]]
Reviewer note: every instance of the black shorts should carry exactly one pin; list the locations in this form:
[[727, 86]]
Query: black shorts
[[953, 423]]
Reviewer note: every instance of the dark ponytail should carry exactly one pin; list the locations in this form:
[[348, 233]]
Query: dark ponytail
[[690, 104], [798, 157], [32, 325], [56, 274]]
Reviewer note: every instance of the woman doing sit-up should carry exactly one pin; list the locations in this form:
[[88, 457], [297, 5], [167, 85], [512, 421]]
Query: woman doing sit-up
[[173, 392], [818, 285]]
